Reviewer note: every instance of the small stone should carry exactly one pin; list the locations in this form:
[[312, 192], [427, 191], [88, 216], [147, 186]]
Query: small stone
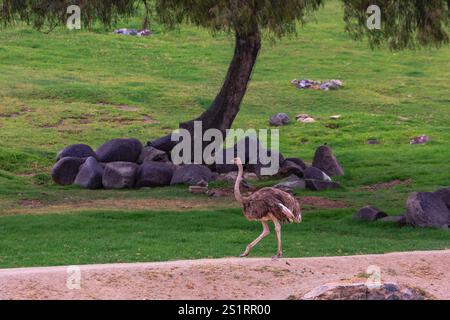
[[335, 117], [279, 119], [420, 139], [369, 213], [373, 141], [304, 118]]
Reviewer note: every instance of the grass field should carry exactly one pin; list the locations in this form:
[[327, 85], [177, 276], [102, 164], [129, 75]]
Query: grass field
[[69, 87]]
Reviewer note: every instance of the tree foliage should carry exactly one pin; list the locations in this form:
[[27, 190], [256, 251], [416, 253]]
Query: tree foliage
[[405, 23]]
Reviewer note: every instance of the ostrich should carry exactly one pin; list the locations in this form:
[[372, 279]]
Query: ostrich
[[267, 204]]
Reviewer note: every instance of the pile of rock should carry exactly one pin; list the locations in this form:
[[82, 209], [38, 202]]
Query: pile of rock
[[123, 163], [363, 291], [423, 209], [133, 32], [126, 163], [317, 85], [316, 178]]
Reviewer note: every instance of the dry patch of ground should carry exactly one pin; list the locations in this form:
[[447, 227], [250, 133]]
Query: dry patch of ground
[[227, 278], [34, 206], [387, 185], [320, 202]]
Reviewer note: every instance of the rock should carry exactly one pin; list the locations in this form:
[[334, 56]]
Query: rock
[[304, 118], [369, 213], [250, 176], [120, 150], [317, 185], [335, 117], [65, 170], [225, 168], [119, 175], [400, 219], [444, 194], [420, 139], [291, 183], [228, 177], [150, 153], [77, 151], [198, 189], [313, 173], [426, 209], [164, 144], [298, 162], [327, 162], [331, 85], [363, 291], [373, 141], [154, 174], [191, 174], [280, 119], [290, 167], [90, 174]]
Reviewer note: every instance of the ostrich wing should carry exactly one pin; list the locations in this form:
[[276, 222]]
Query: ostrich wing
[[268, 200]]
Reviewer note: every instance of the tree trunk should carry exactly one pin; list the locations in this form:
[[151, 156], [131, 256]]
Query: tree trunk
[[220, 115]]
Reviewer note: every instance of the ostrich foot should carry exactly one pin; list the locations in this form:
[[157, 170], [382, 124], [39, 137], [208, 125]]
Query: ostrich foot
[[244, 255], [277, 256]]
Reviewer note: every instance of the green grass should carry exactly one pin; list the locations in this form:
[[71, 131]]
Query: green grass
[[94, 237], [65, 87]]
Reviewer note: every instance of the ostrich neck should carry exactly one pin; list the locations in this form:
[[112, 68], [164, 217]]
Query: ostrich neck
[[237, 191]]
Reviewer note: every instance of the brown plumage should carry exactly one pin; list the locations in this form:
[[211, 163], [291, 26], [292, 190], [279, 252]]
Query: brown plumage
[[267, 204]]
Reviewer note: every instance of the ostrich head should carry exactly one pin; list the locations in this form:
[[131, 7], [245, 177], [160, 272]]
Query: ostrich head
[[237, 161]]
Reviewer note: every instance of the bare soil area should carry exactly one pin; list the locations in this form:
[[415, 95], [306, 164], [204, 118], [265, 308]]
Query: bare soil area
[[227, 278]]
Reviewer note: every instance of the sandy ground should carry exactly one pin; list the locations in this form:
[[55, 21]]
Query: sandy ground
[[228, 278]]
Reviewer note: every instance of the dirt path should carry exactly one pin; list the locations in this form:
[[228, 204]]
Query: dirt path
[[228, 278]]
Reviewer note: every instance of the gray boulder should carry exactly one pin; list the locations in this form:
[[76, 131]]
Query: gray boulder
[[289, 167], [123, 150], [90, 174], [76, 150], [313, 173], [444, 194], [154, 174], [150, 153], [298, 162], [291, 183], [65, 170], [191, 174], [327, 162], [318, 185], [427, 209], [280, 119], [164, 143], [119, 175], [400, 219], [369, 213]]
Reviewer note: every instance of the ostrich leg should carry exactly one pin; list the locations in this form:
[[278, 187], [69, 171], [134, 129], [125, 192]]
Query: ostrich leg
[[265, 232], [278, 231]]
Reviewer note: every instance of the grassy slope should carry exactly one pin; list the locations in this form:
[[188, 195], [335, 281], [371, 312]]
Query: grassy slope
[[64, 88]]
